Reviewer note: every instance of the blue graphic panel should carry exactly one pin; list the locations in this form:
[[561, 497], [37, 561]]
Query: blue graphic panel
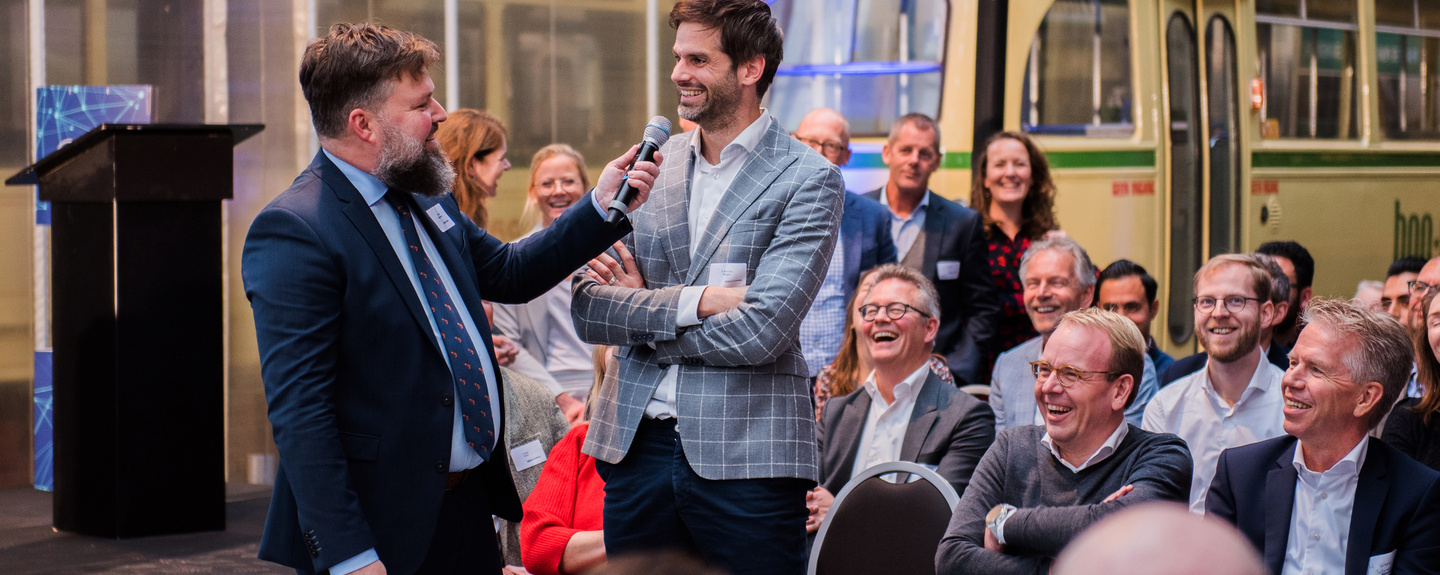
[[64, 113], [44, 425]]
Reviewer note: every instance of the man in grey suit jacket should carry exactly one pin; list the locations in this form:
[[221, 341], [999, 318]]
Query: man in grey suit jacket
[[903, 411], [943, 240], [707, 442]]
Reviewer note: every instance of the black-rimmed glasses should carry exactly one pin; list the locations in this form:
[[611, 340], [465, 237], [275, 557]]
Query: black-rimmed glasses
[[1234, 303], [894, 311]]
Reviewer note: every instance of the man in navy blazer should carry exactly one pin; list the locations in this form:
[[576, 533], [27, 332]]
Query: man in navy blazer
[[366, 397], [1327, 494], [943, 240], [864, 243]]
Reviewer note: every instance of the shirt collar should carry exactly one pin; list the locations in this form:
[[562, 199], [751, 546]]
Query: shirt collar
[[748, 139], [1260, 381], [370, 187], [1348, 466], [908, 387], [924, 203], [1111, 444]]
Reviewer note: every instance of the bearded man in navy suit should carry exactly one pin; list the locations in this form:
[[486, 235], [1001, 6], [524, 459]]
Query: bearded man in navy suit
[[366, 279]]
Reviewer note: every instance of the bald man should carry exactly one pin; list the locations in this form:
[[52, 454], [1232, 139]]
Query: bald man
[[1159, 539], [864, 243]]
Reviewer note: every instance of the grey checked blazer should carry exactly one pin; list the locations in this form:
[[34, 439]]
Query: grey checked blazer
[[742, 401]]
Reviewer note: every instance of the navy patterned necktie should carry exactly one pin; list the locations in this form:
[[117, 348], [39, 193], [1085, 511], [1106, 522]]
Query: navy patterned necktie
[[459, 350]]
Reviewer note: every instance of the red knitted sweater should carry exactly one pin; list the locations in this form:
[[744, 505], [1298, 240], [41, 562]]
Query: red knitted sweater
[[568, 498]]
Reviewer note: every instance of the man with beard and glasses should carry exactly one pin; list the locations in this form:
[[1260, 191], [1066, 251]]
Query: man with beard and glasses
[[1236, 398], [1279, 297], [366, 282], [943, 240], [707, 442]]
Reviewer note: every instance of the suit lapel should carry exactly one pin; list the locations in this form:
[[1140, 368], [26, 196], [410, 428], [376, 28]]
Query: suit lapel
[[1279, 504], [848, 430], [850, 228], [762, 166], [934, 232], [1370, 493], [364, 221], [922, 418], [674, 206]]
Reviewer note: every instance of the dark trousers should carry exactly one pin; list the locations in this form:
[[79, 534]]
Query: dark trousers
[[464, 540], [653, 500]]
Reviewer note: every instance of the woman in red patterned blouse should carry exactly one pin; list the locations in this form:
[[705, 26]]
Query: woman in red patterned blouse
[[1013, 191]]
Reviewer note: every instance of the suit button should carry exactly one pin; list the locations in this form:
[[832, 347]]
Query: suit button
[[446, 400], [440, 467]]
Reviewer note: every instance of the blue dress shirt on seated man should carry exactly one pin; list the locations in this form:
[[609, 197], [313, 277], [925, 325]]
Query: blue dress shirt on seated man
[[864, 243], [353, 274]]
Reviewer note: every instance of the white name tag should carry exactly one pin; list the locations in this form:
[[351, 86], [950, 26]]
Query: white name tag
[[947, 270], [727, 275], [1381, 564], [528, 455], [442, 220]]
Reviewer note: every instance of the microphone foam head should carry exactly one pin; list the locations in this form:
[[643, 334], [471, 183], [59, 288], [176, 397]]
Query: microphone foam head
[[658, 130]]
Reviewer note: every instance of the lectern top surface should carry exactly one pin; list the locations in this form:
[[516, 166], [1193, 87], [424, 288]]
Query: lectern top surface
[[31, 174]]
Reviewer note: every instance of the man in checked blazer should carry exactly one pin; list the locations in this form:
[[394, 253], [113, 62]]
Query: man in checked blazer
[[707, 441]]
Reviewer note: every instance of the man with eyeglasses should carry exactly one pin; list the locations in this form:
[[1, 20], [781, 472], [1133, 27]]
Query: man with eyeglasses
[[1127, 289], [1236, 397], [864, 243], [1058, 278], [1426, 281], [903, 411], [943, 240], [1280, 293], [1039, 487]]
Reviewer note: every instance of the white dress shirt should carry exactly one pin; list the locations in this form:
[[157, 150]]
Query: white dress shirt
[[1320, 519], [904, 230], [1106, 449], [708, 183], [886, 422], [1192, 409]]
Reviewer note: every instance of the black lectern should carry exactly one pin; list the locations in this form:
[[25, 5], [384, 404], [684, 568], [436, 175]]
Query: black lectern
[[138, 326]]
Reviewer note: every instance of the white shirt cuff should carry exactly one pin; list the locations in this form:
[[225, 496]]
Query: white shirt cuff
[[595, 201], [353, 564], [689, 306]]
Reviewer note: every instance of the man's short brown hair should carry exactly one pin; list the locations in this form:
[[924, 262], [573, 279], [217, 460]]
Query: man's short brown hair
[[1127, 345], [1259, 272], [353, 66], [747, 29]]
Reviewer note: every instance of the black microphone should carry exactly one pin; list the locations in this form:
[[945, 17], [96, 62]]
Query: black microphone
[[657, 132]]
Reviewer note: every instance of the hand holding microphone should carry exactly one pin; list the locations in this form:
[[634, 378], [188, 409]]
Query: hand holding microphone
[[632, 174]]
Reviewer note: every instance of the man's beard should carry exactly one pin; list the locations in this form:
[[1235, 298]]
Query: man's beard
[[718, 111], [407, 165], [1249, 339]]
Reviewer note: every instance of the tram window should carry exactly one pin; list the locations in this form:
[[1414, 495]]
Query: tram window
[[1308, 68], [14, 76], [873, 60], [1407, 43], [1077, 81]]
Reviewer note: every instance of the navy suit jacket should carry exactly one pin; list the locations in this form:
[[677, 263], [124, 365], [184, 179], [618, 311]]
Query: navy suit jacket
[[359, 393], [948, 429], [969, 308], [1397, 504], [865, 237]]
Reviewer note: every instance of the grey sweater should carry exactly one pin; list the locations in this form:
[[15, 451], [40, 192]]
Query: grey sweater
[[1054, 503]]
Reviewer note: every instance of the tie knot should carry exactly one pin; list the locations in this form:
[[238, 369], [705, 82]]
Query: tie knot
[[398, 200]]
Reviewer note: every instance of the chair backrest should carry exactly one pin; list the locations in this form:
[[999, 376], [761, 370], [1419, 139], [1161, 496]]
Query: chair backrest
[[980, 392], [875, 526]]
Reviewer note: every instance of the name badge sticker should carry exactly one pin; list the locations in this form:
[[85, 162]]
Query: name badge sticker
[[947, 269], [1381, 564], [727, 275], [528, 455], [442, 220]]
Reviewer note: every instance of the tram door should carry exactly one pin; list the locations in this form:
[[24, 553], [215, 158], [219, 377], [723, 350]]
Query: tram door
[[1203, 152]]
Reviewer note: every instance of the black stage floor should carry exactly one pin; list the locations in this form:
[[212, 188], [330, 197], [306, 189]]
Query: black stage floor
[[29, 545]]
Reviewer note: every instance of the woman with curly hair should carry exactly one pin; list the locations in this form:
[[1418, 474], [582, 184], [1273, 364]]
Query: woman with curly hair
[[475, 142], [1013, 192]]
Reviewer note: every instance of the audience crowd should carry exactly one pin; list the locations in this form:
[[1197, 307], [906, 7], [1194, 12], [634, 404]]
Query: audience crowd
[[1074, 411]]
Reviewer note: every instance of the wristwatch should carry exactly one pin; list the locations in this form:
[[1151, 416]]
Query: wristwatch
[[995, 520]]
